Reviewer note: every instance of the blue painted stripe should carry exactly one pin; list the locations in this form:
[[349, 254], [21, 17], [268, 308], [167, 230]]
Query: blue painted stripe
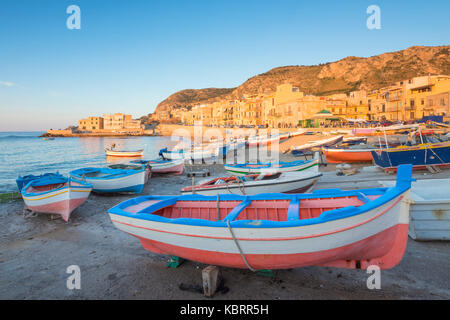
[[134, 189]]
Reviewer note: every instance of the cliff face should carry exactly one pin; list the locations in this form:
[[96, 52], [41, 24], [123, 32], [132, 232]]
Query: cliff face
[[343, 76]]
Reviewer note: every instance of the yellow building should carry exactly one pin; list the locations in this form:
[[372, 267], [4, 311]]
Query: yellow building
[[357, 105], [405, 100], [427, 96], [337, 105], [120, 122], [90, 124]]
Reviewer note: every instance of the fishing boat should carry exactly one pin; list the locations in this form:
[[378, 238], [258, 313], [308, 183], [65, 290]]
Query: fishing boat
[[202, 154], [299, 132], [286, 182], [48, 138], [423, 152], [163, 165], [194, 154], [354, 140], [300, 150], [361, 153], [347, 229], [107, 180], [22, 181], [269, 167], [133, 166], [429, 209], [262, 140], [236, 144], [284, 136], [55, 195], [171, 154], [124, 153]]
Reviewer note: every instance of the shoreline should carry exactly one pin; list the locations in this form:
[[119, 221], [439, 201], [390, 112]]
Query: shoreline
[[81, 135]]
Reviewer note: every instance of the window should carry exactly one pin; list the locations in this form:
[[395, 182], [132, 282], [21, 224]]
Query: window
[[411, 103], [422, 101]]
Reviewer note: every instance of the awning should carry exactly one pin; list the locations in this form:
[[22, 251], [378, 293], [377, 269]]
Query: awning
[[356, 120]]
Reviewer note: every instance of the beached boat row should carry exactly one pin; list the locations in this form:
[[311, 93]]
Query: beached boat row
[[260, 217], [54, 193]]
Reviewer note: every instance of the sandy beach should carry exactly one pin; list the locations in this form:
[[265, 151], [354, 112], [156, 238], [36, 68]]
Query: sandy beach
[[36, 251]]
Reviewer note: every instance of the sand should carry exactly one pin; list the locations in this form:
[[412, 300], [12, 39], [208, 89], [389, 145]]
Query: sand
[[36, 251]]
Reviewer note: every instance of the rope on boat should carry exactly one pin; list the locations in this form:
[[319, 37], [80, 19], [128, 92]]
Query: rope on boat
[[239, 247], [431, 149], [241, 187]]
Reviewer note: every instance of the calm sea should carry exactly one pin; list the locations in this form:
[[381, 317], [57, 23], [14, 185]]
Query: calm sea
[[23, 153]]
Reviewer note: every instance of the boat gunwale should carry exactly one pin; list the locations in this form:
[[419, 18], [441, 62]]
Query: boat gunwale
[[283, 164], [127, 173], [258, 183], [85, 185], [386, 195]]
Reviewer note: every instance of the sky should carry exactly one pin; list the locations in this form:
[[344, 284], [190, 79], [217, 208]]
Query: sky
[[130, 55]]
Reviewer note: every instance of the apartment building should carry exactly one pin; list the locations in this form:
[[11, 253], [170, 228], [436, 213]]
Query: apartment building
[[90, 124]]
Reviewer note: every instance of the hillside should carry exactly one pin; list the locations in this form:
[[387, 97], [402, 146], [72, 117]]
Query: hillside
[[343, 76]]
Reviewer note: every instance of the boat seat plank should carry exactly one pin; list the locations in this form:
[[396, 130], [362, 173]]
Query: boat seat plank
[[294, 210], [237, 210], [361, 196], [159, 205]]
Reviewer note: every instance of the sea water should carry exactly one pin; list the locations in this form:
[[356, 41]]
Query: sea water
[[23, 153]]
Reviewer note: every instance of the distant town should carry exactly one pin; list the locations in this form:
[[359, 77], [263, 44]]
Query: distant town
[[406, 101], [108, 125]]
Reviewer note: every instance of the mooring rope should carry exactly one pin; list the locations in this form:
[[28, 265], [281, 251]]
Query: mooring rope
[[239, 247]]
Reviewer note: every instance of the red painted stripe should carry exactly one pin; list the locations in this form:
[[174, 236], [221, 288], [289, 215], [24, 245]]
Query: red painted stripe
[[384, 249]]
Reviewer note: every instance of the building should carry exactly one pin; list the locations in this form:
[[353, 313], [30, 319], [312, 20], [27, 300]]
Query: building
[[120, 122], [426, 96], [90, 124]]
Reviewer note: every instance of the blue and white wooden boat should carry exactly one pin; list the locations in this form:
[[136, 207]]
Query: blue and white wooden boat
[[300, 150], [163, 165], [55, 194], [285, 182], [420, 156], [133, 166], [171, 154], [346, 229], [269, 167], [107, 180], [194, 154], [24, 180]]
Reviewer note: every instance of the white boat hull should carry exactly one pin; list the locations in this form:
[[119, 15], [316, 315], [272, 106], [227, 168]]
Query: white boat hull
[[60, 201], [312, 244], [240, 171], [290, 182], [130, 183]]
